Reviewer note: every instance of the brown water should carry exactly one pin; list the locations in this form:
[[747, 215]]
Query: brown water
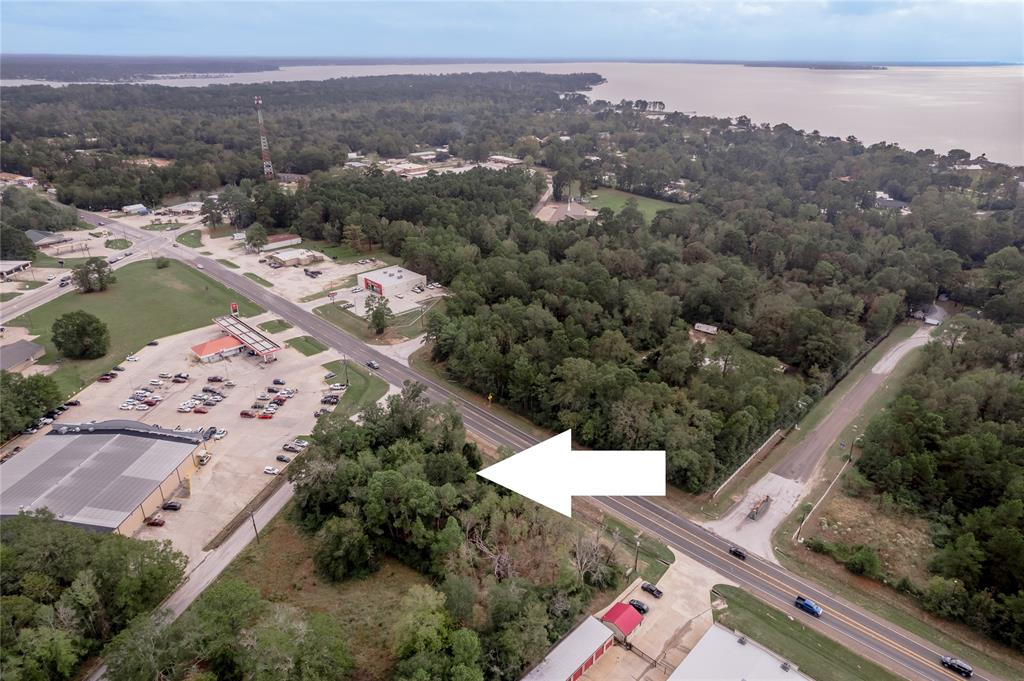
[[980, 109]]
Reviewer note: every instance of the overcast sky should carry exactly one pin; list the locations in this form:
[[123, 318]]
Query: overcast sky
[[892, 30]]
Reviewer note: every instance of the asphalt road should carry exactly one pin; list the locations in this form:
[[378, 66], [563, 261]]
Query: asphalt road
[[894, 648]]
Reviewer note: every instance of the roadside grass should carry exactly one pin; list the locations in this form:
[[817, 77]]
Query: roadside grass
[[9, 295], [45, 260], [345, 253], [163, 226], [117, 244], [275, 326], [616, 200], [146, 303], [653, 558], [816, 655], [258, 279], [402, 327], [871, 595], [227, 263], [193, 238], [220, 231], [421, 362], [363, 389], [31, 285], [715, 508], [348, 282], [307, 345], [281, 566]]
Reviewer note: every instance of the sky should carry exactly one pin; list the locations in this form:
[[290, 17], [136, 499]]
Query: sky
[[821, 30]]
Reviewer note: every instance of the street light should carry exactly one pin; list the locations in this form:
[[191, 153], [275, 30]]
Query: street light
[[636, 556]]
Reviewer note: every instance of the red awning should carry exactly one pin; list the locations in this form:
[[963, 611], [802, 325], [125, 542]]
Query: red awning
[[624, 616]]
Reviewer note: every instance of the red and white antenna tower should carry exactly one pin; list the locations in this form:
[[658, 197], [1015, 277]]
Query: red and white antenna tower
[[268, 167]]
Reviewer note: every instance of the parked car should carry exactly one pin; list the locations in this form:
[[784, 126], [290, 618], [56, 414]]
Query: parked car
[[639, 606], [182, 409], [209, 403], [738, 552], [73, 403], [958, 665], [119, 368], [178, 379], [215, 379], [653, 590], [289, 447], [229, 384], [132, 358], [220, 434], [301, 444], [337, 386], [155, 521], [270, 470], [204, 459], [126, 407], [808, 606], [329, 375], [373, 364], [171, 506], [201, 410], [263, 397], [247, 414], [272, 389], [278, 381], [142, 407], [165, 374], [156, 381], [150, 403], [266, 415], [282, 458], [153, 342], [181, 375]]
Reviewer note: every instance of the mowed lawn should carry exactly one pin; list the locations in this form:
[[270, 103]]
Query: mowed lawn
[[281, 567], [616, 200], [363, 388], [307, 345], [145, 304], [817, 656], [403, 326], [193, 238]]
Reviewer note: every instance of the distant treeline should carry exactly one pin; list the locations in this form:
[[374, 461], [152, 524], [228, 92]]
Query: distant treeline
[[114, 69]]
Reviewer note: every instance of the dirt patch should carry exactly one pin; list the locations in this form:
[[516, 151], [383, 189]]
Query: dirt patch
[[903, 542]]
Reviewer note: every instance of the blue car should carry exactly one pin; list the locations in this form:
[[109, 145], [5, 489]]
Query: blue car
[[808, 606]]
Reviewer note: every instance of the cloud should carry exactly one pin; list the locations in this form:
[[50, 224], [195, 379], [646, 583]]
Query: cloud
[[759, 10]]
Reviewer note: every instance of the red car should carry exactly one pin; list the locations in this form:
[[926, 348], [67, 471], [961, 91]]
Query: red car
[[104, 379], [265, 415], [150, 403], [155, 521], [247, 414], [201, 410]]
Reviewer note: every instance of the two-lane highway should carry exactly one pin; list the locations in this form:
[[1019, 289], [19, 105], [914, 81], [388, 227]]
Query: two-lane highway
[[894, 648]]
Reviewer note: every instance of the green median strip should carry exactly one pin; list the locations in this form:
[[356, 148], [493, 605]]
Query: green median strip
[[227, 263], [193, 238], [363, 389], [275, 326], [258, 279]]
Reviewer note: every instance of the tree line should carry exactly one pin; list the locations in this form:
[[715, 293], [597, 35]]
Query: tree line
[[951, 448], [65, 592], [22, 210]]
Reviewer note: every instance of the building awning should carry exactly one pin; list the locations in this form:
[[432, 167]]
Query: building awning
[[624, 616]]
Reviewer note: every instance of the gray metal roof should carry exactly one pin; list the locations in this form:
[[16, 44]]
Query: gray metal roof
[[15, 353], [571, 652], [719, 656], [92, 475], [250, 337]]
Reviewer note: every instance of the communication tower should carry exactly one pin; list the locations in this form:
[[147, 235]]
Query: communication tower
[[268, 167]]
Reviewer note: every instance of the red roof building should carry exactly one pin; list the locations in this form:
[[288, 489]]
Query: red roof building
[[623, 619], [212, 350]]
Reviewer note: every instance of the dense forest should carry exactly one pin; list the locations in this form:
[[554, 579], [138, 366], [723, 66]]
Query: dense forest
[[65, 592], [951, 447]]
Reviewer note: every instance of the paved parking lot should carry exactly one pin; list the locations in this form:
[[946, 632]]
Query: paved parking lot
[[234, 474], [673, 626]]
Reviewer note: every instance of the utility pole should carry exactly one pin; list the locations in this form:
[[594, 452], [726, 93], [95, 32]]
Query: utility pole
[[255, 531], [636, 556]]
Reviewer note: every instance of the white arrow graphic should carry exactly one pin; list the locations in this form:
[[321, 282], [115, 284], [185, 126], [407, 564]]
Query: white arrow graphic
[[551, 474]]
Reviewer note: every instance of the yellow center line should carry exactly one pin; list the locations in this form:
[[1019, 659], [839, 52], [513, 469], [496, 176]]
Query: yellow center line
[[754, 571]]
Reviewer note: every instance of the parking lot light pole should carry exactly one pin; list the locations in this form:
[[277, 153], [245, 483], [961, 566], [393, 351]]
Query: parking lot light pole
[[636, 556]]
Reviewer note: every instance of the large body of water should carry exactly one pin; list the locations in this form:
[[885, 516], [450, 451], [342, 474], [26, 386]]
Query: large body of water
[[980, 109]]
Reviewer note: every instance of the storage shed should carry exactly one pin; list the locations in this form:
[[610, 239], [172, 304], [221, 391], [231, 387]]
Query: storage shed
[[574, 654]]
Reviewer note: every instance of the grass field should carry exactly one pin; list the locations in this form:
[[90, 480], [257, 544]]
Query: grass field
[[307, 345], [117, 244], [144, 304], [403, 327], [193, 238], [345, 253], [31, 285], [616, 200], [221, 231], [44, 260], [363, 388], [654, 557], [349, 282], [275, 326], [817, 656], [258, 279], [163, 226], [8, 295], [227, 263], [281, 567]]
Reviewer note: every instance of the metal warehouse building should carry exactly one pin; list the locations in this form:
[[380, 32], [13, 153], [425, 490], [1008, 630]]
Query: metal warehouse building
[[392, 280], [106, 477], [575, 654]]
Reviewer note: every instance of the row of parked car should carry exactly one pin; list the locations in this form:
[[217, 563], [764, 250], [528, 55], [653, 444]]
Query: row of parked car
[[268, 402]]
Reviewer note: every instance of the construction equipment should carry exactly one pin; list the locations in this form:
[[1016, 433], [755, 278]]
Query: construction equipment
[[760, 508]]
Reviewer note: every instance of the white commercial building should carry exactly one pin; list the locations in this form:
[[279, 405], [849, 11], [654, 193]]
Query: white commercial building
[[391, 281], [722, 654], [134, 209]]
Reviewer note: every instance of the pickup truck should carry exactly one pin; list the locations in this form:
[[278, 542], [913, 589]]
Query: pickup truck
[[808, 606]]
